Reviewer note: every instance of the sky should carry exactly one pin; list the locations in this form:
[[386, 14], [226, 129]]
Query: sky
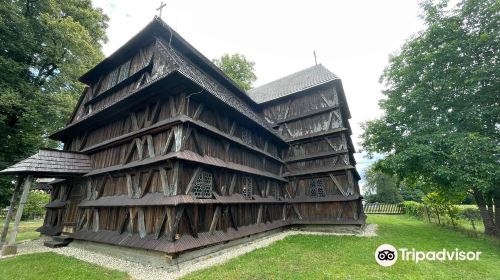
[[353, 39]]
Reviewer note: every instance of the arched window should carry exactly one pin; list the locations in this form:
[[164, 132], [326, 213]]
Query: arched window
[[203, 185], [317, 188]]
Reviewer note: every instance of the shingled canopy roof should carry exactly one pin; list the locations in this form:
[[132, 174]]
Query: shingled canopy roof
[[296, 82], [51, 163]]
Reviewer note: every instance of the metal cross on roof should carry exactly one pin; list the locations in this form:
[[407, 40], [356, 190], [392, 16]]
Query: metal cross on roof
[[162, 5]]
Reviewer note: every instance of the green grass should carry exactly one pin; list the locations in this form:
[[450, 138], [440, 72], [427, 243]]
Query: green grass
[[335, 257], [308, 257], [26, 230], [53, 266]]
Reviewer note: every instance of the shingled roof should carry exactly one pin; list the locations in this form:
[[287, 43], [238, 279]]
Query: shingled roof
[[296, 82], [52, 163]]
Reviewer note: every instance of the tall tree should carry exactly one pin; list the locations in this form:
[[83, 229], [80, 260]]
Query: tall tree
[[238, 68], [45, 45], [442, 113], [382, 187]]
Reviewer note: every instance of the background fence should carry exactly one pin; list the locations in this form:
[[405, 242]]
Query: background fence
[[384, 208]]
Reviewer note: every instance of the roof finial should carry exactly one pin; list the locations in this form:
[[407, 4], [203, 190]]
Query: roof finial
[[162, 5], [315, 60]]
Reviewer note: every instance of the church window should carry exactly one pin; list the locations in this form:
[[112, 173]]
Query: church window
[[247, 187], [203, 185], [317, 188]]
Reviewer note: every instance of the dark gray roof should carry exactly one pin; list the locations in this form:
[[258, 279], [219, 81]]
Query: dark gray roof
[[51, 163], [296, 82]]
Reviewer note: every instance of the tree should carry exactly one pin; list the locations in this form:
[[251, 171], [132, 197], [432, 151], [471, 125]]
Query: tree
[[441, 111], [45, 46], [238, 68], [35, 205], [382, 187]]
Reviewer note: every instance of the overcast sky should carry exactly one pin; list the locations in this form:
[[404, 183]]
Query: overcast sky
[[353, 39]]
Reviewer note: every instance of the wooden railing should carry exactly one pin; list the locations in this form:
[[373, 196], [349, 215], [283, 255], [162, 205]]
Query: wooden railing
[[383, 208]]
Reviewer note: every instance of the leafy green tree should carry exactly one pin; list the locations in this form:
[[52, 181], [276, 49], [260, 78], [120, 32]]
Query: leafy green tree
[[238, 68], [442, 113], [35, 205], [382, 187], [45, 46]]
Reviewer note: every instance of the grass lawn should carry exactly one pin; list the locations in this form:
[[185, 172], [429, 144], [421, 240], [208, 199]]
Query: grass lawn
[[308, 257], [334, 257], [53, 266], [26, 229]]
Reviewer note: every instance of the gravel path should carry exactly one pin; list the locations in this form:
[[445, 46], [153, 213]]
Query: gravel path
[[140, 271]]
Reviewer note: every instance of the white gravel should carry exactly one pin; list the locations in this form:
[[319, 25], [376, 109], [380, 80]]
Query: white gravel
[[141, 271]]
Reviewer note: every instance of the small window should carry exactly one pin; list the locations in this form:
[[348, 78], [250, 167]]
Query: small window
[[247, 187], [317, 188], [203, 185]]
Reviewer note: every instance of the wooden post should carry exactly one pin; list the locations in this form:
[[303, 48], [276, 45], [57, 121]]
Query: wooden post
[[11, 248], [13, 200]]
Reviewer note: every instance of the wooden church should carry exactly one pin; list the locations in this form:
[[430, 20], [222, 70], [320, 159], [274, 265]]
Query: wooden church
[[164, 152]]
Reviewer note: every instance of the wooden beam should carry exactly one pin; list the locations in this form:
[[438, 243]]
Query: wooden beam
[[287, 109], [19, 213], [215, 219], [232, 217], [95, 222], [161, 223], [197, 143], [259, 214], [151, 147], [294, 206], [327, 102], [198, 111], [130, 151], [232, 185], [124, 222], [193, 227], [268, 187], [133, 121], [232, 129], [155, 114], [83, 140], [178, 215], [10, 213], [100, 189], [171, 103], [140, 147], [175, 177], [182, 103], [193, 180], [164, 181], [329, 121], [178, 138], [141, 225], [168, 143], [146, 186], [337, 184]]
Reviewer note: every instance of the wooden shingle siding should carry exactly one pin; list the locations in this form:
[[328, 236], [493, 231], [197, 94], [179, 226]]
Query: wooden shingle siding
[[167, 154]]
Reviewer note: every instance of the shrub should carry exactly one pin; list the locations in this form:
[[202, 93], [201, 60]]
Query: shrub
[[415, 209]]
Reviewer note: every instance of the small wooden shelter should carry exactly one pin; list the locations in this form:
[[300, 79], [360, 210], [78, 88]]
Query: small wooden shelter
[[164, 152]]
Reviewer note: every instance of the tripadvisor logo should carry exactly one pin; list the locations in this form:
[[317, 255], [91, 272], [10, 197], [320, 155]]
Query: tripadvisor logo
[[387, 255]]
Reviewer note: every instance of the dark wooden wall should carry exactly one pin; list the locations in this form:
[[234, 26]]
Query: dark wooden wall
[[150, 162], [314, 123]]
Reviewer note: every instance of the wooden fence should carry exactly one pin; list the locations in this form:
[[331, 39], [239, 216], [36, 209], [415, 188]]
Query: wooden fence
[[383, 208]]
